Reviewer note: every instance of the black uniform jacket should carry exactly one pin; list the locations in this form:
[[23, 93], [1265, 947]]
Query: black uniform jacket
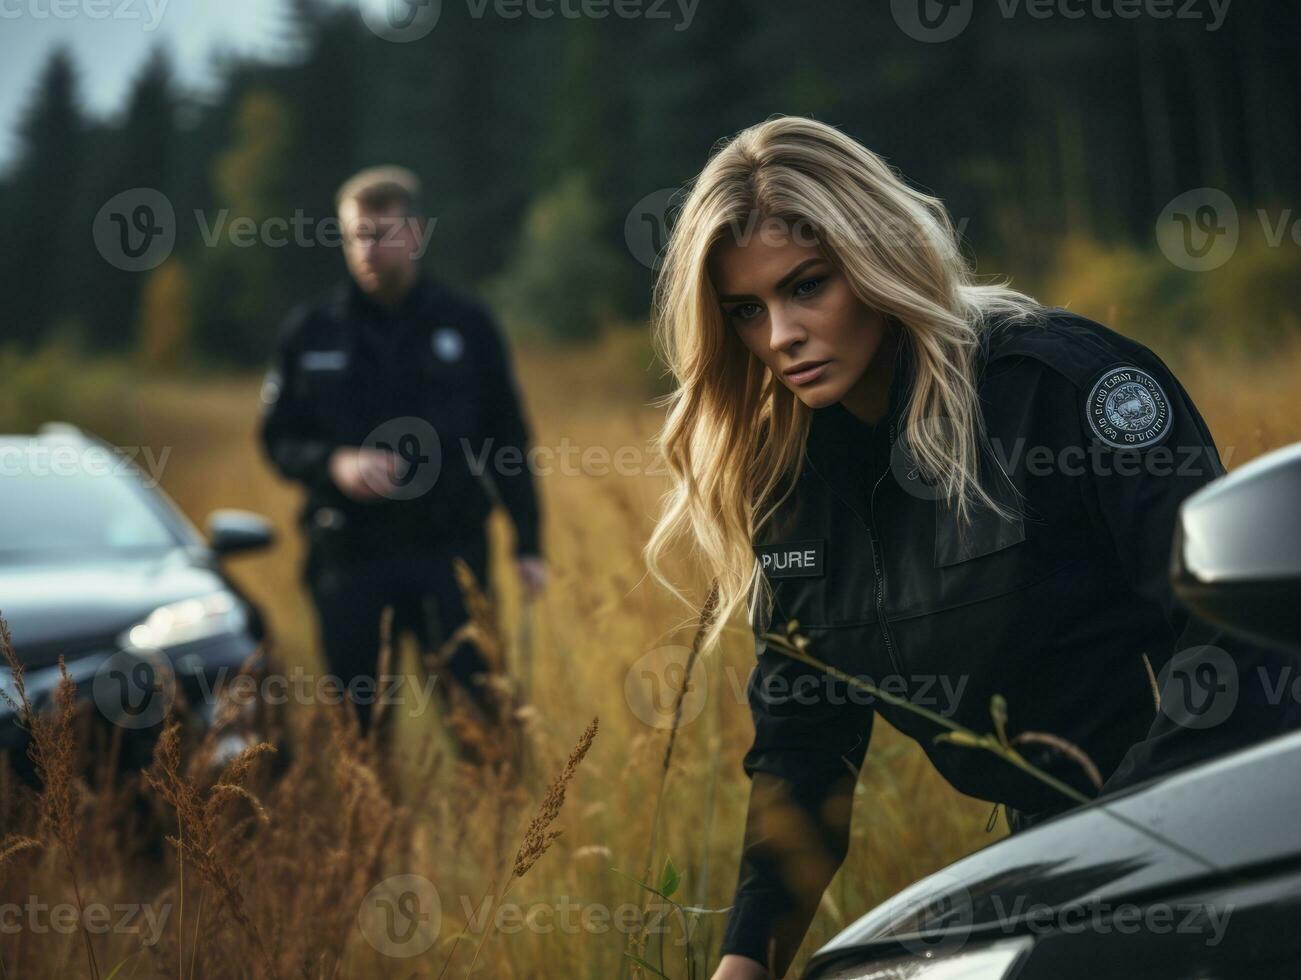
[[1092, 444], [431, 380]]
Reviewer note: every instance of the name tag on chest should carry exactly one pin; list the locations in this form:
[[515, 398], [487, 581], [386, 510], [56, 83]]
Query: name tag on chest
[[323, 360], [792, 559]]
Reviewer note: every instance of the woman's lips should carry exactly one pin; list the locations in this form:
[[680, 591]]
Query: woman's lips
[[809, 374]]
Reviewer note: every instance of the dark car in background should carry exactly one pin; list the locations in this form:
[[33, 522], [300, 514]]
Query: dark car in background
[[99, 567], [1195, 876]]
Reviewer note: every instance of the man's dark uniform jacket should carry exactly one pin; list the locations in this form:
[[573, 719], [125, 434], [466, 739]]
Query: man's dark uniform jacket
[[430, 379], [1092, 444]]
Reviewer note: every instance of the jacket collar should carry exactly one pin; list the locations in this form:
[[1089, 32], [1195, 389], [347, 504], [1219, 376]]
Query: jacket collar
[[349, 301], [412, 302]]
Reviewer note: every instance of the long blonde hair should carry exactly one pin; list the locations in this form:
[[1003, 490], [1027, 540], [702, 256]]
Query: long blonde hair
[[734, 435]]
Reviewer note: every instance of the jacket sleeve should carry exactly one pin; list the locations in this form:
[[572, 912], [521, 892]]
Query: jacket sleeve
[[507, 425], [290, 438], [810, 739], [1213, 693]]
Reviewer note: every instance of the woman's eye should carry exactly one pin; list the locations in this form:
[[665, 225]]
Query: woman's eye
[[746, 311], [809, 286]]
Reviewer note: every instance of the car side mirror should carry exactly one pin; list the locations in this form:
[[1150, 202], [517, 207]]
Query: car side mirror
[[1237, 550], [231, 531]]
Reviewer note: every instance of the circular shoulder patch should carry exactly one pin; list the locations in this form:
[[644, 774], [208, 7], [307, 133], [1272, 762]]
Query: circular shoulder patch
[[1127, 409], [448, 344]]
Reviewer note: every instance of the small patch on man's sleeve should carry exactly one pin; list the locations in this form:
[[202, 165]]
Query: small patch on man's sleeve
[[1128, 409], [271, 385]]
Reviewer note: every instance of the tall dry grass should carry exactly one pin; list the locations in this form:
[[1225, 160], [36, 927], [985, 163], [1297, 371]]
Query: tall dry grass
[[275, 860]]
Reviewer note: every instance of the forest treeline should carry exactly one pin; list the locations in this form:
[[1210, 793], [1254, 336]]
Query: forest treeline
[[539, 139]]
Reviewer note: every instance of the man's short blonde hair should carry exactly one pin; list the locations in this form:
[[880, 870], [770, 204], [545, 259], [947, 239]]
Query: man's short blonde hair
[[381, 188]]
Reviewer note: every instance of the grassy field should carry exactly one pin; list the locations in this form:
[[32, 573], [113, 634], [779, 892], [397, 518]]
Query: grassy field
[[278, 876]]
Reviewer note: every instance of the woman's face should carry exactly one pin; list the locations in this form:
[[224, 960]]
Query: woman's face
[[796, 312]]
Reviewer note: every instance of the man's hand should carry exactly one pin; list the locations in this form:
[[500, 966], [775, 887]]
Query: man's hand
[[363, 473], [532, 574], [733, 967]]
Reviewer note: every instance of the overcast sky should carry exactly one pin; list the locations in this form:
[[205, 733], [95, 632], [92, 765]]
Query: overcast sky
[[109, 50]]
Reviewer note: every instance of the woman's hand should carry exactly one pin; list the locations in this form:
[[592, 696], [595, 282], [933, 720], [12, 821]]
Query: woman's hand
[[733, 967]]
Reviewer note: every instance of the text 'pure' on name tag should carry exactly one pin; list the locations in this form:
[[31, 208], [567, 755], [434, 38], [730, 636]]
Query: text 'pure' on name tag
[[792, 559]]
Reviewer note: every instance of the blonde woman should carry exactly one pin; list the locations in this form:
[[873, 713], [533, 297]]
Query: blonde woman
[[951, 491]]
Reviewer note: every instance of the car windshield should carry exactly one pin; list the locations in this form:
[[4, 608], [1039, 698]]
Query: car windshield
[[74, 512]]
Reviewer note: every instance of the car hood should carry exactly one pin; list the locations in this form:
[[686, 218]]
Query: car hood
[[60, 608], [1208, 823]]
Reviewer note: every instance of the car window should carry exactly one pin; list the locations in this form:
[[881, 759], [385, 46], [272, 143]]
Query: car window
[[74, 514]]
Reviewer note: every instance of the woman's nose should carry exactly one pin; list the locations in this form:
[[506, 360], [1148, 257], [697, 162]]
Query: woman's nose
[[786, 331]]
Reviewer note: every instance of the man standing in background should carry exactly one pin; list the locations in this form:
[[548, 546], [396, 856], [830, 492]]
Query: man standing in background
[[392, 401]]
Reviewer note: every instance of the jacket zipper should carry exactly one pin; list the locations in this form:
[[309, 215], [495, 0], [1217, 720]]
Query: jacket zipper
[[878, 568], [878, 564], [880, 603]]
